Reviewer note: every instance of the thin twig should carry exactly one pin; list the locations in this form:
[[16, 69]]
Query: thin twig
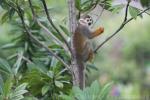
[[94, 5], [57, 41], [51, 22], [121, 26], [137, 15], [107, 39], [145, 12], [10, 5], [26, 59], [126, 11], [37, 41], [119, 29]]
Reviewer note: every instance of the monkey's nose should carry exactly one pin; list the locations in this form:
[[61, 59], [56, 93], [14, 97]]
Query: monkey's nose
[[89, 24]]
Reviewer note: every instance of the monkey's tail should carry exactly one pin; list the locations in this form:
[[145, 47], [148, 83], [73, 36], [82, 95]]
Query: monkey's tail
[[81, 73]]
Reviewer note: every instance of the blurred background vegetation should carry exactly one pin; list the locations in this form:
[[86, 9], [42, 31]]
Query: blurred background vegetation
[[125, 59]]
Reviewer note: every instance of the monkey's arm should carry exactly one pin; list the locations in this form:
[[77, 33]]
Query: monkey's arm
[[91, 34], [97, 32]]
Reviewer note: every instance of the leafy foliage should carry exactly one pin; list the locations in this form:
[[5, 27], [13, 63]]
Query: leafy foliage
[[5, 67], [94, 92], [145, 3], [29, 71], [133, 11], [116, 8], [8, 92], [86, 5], [28, 62]]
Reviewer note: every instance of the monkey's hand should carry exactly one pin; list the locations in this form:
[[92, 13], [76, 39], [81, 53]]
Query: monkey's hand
[[98, 32]]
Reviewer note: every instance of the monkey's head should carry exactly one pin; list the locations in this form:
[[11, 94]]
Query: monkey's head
[[86, 20]]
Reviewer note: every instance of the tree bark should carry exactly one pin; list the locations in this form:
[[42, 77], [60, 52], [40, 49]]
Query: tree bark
[[76, 65], [72, 15]]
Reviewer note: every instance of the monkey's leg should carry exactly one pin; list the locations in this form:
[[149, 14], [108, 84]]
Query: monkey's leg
[[90, 56], [85, 53]]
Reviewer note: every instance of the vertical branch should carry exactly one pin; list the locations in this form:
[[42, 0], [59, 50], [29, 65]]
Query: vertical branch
[[77, 81], [77, 64], [72, 15], [126, 11]]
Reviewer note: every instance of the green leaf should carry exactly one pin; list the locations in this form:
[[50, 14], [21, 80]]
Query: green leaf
[[4, 5], [92, 66], [33, 66], [78, 4], [50, 74], [105, 91], [7, 46], [59, 84], [21, 87], [54, 62], [95, 89], [5, 67], [11, 13], [18, 63], [1, 85], [78, 93], [17, 94], [5, 17], [87, 5], [133, 12], [17, 97], [107, 4], [116, 8], [1, 1], [94, 92], [145, 3], [7, 87], [65, 97], [45, 89]]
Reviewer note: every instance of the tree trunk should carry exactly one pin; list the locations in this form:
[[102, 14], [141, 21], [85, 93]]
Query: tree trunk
[[78, 73], [77, 67]]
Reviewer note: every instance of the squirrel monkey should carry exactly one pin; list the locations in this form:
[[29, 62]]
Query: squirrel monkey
[[82, 47], [81, 39]]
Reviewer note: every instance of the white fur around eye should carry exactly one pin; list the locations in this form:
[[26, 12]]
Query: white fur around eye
[[83, 22]]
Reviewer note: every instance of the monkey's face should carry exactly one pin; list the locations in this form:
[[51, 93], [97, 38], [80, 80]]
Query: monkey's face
[[89, 20]]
